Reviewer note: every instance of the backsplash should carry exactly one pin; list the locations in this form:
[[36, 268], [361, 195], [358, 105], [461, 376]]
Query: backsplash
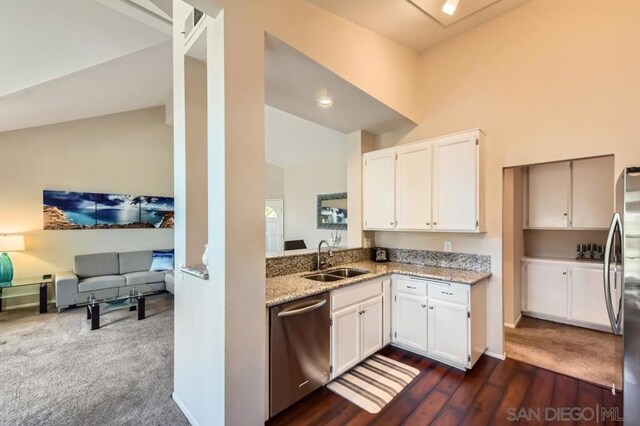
[[473, 262], [285, 265]]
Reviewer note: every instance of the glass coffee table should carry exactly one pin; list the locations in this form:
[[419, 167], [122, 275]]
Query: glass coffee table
[[35, 286], [134, 301]]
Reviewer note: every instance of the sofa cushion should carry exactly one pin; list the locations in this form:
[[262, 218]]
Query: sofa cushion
[[146, 277], [95, 265], [135, 261], [162, 260], [101, 283]]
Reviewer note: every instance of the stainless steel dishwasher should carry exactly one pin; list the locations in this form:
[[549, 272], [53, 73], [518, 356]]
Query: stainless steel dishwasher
[[299, 350]]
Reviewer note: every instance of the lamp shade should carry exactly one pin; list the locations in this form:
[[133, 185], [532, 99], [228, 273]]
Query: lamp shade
[[11, 243]]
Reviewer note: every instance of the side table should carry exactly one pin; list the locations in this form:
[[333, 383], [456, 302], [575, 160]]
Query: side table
[[32, 282]]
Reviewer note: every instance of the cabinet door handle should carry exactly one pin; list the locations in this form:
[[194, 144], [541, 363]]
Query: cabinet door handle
[[564, 273], [390, 223], [435, 223], [411, 287], [424, 306], [565, 214], [428, 223], [430, 307]]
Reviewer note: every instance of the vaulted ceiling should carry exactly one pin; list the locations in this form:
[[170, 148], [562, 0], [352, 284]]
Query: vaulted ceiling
[[66, 59], [415, 23]]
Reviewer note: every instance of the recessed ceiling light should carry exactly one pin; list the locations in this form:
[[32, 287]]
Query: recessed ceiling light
[[450, 7], [325, 102]]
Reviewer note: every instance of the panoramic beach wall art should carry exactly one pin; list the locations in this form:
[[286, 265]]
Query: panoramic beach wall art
[[89, 210]]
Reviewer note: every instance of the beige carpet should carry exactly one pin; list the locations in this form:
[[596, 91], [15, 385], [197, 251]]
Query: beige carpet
[[55, 371], [578, 352]]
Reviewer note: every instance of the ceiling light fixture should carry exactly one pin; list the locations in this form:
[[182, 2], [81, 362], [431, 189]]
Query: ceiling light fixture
[[450, 7], [325, 102]]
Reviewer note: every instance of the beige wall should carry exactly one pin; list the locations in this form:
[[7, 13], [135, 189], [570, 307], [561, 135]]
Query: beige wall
[[128, 153], [512, 243], [196, 157], [560, 244], [548, 81]]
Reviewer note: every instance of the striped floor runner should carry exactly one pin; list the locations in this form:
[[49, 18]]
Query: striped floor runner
[[374, 382]]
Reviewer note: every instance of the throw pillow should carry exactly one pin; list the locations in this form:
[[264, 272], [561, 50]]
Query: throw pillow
[[162, 260]]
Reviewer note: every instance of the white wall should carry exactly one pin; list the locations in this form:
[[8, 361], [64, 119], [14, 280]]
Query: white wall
[[127, 153], [302, 185], [274, 182], [293, 141], [308, 160]]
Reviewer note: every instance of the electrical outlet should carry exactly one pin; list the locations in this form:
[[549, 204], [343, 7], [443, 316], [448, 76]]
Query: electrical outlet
[[448, 246]]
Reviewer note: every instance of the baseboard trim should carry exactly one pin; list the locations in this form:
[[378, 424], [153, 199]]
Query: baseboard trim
[[495, 355], [515, 324], [184, 410]]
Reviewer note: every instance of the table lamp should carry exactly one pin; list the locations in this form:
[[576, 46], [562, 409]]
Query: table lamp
[[9, 243]]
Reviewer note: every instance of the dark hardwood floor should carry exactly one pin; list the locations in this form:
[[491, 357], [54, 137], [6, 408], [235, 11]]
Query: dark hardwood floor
[[442, 395]]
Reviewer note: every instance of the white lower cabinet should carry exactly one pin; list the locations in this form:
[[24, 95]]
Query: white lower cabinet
[[371, 326], [548, 290], [587, 302], [444, 321], [345, 337], [356, 324], [449, 331], [570, 292], [410, 321]]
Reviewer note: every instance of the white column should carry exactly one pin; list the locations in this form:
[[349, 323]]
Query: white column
[[235, 54]]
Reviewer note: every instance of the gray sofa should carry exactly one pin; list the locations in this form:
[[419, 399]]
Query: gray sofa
[[109, 275]]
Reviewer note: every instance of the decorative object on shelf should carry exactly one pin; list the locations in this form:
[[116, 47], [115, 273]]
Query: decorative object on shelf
[[332, 211], [9, 243], [87, 210], [205, 255], [336, 239], [595, 251], [381, 255]]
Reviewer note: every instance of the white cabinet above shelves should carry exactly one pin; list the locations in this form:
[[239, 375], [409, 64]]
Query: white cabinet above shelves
[[574, 194], [434, 185]]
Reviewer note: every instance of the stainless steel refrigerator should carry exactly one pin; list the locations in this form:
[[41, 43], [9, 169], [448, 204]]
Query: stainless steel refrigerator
[[623, 298]]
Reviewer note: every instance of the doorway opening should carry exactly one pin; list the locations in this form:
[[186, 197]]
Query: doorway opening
[[555, 225]]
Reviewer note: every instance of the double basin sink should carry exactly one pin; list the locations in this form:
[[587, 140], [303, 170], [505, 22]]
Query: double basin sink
[[335, 274]]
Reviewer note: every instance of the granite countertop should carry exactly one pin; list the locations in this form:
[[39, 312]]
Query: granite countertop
[[287, 288]]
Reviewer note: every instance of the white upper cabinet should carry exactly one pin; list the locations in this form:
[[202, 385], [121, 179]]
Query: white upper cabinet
[[413, 187], [455, 183], [379, 190], [433, 185], [592, 197], [571, 194], [549, 188]]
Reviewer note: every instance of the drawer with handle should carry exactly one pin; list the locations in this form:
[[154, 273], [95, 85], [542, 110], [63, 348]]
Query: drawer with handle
[[413, 286], [449, 292]]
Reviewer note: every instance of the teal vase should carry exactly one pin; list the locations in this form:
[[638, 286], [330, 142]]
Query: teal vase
[[6, 269]]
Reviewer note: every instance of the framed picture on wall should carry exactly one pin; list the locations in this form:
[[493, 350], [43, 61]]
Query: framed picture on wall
[[88, 210], [332, 211]]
